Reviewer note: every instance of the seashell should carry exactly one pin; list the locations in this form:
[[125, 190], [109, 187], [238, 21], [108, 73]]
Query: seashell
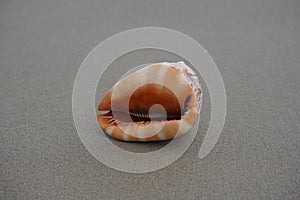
[[158, 102]]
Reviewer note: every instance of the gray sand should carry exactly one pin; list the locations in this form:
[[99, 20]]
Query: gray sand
[[256, 46]]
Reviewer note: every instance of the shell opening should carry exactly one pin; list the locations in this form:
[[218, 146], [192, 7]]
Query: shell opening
[[151, 102]]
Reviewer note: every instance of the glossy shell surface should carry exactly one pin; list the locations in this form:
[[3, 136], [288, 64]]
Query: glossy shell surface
[[158, 102]]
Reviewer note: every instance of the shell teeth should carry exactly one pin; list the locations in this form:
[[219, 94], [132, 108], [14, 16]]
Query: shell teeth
[[118, 121], [142, 115], [111, 120]]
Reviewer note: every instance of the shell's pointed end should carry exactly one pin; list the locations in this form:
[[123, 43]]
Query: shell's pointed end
[[192, 78]]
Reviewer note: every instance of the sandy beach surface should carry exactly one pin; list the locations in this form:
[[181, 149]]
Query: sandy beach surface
[[256, 46]]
